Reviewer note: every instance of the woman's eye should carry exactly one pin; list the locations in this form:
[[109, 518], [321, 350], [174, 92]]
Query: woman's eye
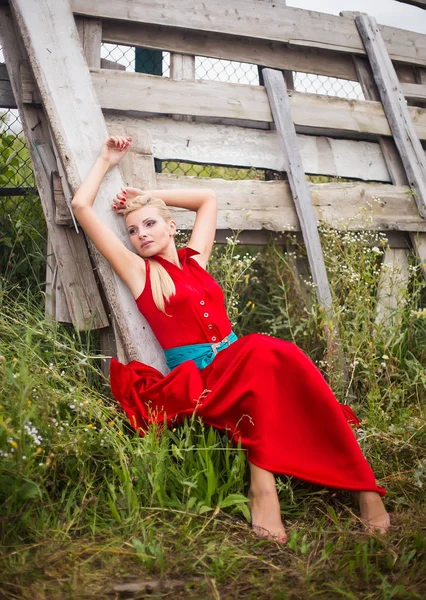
[[132, 231], [150, 223]]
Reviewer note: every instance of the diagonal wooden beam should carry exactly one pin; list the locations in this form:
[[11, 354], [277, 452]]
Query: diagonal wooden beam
[[79, 285], [50, 35], [402, 127], [419, 3], [280, 107]]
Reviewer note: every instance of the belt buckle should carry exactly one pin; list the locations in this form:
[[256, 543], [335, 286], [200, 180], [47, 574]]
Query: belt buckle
[[217, 344]]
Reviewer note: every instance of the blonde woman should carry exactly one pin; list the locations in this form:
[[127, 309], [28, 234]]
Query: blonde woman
[[264, 391]]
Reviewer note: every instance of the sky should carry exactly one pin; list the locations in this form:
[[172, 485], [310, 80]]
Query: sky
[[387, 12]]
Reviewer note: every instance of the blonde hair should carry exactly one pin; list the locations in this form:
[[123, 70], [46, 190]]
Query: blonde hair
[[162, 284]]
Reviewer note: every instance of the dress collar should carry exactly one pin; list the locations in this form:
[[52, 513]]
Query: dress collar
[[183, 254]]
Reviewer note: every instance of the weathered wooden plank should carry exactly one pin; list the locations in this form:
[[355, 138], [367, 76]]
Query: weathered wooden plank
[[280, 107], [414, 91], [90, 32], [307, 60], [403, 130], [419, 3], [147, 93], [242, 147], [393, 281], [262, 237], [61, 209], [79, 137], [216, 45], [393, 162], [267, 21], [56, 306], [7, 99], [112, 65], [51, 270], [62, 216], [283, 122], [182, 67], [263, 52], [244, 103], [83, 300], [255, 205], [418, 241]]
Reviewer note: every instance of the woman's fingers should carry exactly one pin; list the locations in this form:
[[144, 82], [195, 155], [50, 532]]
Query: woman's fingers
[[118, 141]]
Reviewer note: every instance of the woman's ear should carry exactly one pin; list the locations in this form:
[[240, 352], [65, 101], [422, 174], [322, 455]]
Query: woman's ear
[[172, 228]]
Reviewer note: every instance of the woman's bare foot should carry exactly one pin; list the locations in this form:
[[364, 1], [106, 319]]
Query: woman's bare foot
[[266, 515], [373, 512], [265, 506]]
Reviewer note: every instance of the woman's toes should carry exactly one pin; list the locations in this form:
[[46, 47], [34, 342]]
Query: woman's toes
[[378, 524], [279, 535]]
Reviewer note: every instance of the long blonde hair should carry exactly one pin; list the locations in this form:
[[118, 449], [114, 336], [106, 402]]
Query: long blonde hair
[[162, 284]]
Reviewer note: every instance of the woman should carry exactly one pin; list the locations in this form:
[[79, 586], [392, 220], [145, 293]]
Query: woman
[[264, 391]]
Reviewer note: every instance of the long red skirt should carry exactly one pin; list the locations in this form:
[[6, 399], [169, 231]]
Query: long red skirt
[[267, 393]]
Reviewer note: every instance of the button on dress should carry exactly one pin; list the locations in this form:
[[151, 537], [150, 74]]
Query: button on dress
[[262, 390]]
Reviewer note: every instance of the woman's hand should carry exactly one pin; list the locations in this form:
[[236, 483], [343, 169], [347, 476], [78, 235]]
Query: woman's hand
[[127, 193], [113, 150]]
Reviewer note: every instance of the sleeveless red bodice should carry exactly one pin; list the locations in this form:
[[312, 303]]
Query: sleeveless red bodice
[[196, 314]]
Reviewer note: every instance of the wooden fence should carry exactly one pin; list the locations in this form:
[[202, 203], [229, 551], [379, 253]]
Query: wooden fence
[[69, 99]]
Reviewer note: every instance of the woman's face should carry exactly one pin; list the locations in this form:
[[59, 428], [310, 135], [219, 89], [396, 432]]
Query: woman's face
[[149, 233]]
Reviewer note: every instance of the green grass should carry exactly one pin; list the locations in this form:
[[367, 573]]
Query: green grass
[[87, 505]]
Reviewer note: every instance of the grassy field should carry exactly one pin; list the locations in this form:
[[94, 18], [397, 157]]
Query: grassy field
[[91, 510]]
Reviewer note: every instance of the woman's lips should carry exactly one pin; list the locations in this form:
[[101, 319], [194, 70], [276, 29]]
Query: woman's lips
[[146, 244]]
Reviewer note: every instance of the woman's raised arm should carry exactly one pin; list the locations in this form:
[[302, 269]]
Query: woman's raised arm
[[128, 266]]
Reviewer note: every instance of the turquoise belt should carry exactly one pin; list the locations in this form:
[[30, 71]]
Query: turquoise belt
[[201, 354]]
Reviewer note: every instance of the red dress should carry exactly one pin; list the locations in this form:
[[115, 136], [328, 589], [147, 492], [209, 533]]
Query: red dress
[[263, 390]]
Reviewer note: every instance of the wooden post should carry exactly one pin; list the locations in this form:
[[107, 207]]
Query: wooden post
[[390, 288], [79, 130], [395, 106], [280, 107], [79, 285], [90, 32], [391, 156], [182, 67], [393, 280]]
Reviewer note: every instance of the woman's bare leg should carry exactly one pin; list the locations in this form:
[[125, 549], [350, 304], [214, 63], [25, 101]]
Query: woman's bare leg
[[264, 505], [373, 512]]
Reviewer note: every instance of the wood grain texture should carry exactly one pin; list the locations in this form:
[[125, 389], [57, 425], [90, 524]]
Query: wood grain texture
[[215, 45], [393, 281], [255, 205], [182, 66], [267, 21], [403, 130], [419, 3], [243, 147], [147, 93], [90, 32], [418, 241], [245, 105], [79, 137], [7, 99], [71, 255]]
